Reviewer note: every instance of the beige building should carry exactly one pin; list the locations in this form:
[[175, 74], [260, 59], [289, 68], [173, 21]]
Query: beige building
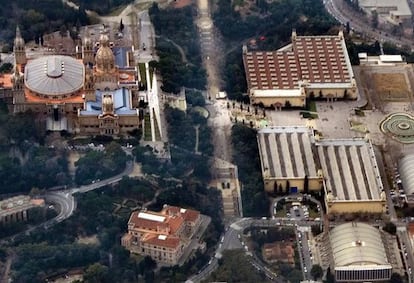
[[16, 209], [95, 91], [311, 66], [352, 180], [294, 160], [395, 11], [162, 235], [287, 159]]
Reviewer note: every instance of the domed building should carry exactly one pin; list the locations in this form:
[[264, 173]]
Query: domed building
[[94, 92]]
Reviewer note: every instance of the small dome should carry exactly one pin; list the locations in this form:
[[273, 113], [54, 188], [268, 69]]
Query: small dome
[[104, 40]]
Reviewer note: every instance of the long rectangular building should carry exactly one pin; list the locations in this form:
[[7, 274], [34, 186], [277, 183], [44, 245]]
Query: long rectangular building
[[352, 179], [287, 159], [310, 66]]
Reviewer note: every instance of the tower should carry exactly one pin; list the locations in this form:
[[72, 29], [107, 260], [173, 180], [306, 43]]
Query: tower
[[89, 85], [107, 104], [108, 120], [19, 49], [87, 49], [18, 91]]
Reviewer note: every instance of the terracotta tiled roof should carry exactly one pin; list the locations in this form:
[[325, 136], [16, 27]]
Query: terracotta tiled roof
[[140, 222], [162, 240], [5, 81], [186, 214], [271, 70], [316, 59], [171, 223], [321, 59], [32, 98]]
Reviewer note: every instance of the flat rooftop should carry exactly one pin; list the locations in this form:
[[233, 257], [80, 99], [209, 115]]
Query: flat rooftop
[[286, 152], [310, 59], [350, 169], [15, 204], [399, 7], [121, 99]]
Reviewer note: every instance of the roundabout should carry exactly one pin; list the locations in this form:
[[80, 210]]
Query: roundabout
[[399, 126]]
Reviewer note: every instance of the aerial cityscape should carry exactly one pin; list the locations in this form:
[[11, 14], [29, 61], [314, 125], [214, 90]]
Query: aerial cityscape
[[206, 141]]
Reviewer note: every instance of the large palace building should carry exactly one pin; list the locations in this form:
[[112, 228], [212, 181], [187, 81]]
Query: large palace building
[[94, 92], [311, 66]]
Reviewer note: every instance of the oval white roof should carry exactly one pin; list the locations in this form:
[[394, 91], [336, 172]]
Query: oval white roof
[[54, 75], [357, 243]]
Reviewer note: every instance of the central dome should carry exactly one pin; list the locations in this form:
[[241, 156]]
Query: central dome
[[54, 75], [105, 59]]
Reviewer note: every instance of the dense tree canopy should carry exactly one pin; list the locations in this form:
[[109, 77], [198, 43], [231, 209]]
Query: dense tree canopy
[[178, 48], [24, 162], [100, 164], [246, 157], [37, 18], [235, 267]]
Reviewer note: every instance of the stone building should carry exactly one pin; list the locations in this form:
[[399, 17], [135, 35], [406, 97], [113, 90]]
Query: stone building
[[16, 209], [96, 91], [162, 235]]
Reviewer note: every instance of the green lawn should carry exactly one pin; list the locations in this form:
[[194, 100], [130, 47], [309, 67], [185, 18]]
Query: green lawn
[[147, 128]]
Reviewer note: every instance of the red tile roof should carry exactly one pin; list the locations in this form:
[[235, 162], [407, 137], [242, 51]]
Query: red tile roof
[[187, 214], [317, 59], [167, 241]]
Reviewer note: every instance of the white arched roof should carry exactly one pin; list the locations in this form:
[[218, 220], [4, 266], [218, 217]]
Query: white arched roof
[[406, 169], [357, 244], [54, 75]]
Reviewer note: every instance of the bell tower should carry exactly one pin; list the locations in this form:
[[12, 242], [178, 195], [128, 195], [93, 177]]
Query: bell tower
[[19, 49], [87, 49], [89, 85], [18, 91]]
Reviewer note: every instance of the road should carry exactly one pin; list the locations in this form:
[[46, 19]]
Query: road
[[343, 14], [65, 200], [232, 240]]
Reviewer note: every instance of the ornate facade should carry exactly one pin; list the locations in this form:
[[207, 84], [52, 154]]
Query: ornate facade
[[95, 93], [162, 235]]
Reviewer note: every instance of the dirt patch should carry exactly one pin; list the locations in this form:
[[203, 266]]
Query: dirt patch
[[92, 240], [72, 158], [391, 87]]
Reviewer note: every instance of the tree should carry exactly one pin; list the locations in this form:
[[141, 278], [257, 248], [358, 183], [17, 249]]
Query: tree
[[95, 273], [390, 228], [348, 28], [374, 18], [396, 278], [316, 271], [121, 26]]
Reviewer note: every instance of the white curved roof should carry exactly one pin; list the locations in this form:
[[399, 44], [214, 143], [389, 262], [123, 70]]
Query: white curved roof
[[406, 169], [355, 244], [54, 75]]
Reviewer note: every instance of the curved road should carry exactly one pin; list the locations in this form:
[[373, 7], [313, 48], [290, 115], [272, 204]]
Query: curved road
[[66, 202], [345, 14]]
